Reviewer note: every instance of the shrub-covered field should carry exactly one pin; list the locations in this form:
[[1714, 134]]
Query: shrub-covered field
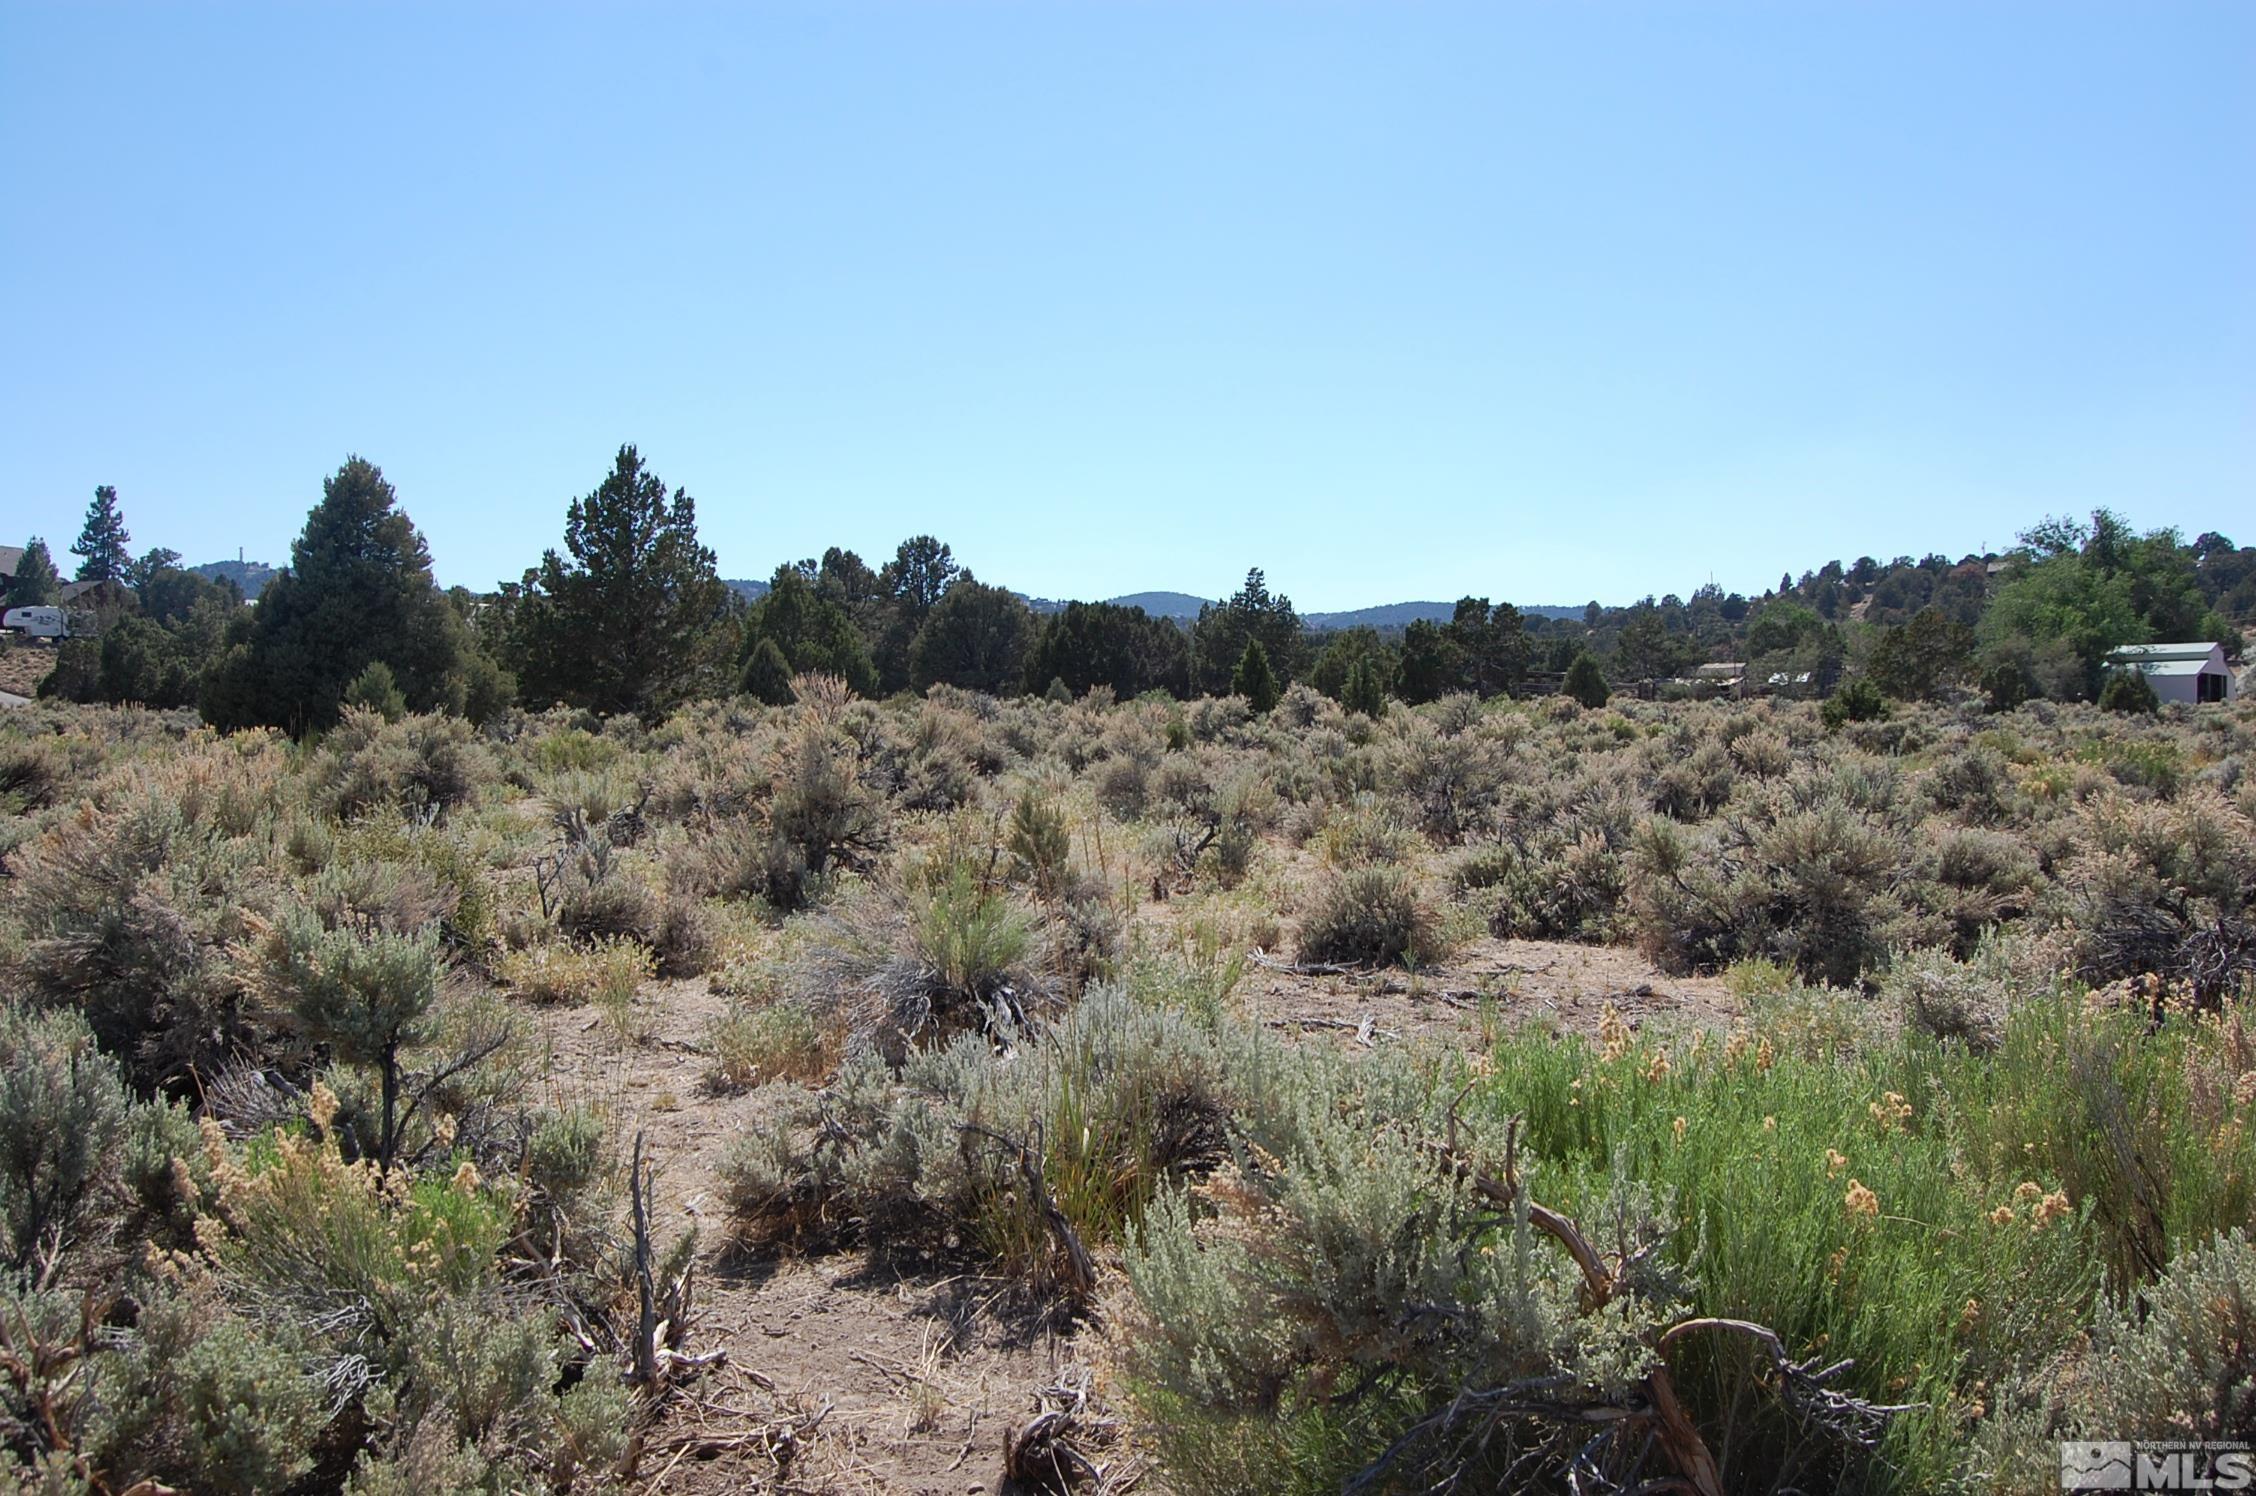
[[291, 1197]]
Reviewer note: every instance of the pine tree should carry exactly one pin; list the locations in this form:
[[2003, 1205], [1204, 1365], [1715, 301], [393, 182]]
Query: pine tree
[[1219, 638], [922, 570], [1254, 680], [102, 543], [366, 992], [37, 583], [1586, 683], [358, 588], [629, 621], [140, 573]]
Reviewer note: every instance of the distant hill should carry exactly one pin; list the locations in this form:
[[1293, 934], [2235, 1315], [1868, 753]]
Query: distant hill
[[251, 576], [1384, 616], [1177, 605], [1389, 616], [1184, 608], [1162, 604]]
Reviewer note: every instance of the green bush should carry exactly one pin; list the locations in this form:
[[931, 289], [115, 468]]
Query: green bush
[[1857, 701], [1368, 916], [1111, 1100], [421, 765], [376, 690], [2129, 691], [63, 1126], [1586, 683]]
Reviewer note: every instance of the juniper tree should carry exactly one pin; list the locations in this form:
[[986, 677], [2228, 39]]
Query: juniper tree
[[101, 545], [1493, 645], [976, 638], [1433, 662], [2129, 691], [812, 633], [1585, 682], [767, 675], [1105, 644], [377, 690], [1924, 657], [627, 619], [1254, 680], [1364, 691]]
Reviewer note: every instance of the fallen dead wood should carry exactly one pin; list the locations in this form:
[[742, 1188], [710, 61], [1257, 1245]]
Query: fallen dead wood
[[1080, 1268], [1267, 962], [1365, 1029], [1045, 1453], [1651, 1410]]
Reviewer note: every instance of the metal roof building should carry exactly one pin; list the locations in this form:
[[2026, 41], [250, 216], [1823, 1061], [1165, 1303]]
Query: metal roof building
[[2189, 673]]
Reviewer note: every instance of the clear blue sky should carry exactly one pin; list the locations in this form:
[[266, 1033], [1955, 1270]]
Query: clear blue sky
[[1395, 299]]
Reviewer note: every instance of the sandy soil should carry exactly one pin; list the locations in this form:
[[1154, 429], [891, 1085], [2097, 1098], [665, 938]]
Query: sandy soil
[[849, 1373]]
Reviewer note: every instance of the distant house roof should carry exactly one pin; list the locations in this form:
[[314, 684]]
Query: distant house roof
[[73, 591], [2144, 655], [11, 557], [1724, 668]]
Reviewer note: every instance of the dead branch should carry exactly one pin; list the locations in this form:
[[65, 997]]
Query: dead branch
[[1364, 1030], [1041, 1453], [1802, 1384], [640, 1183], [1081, 1269], [1267, 962], [1653, 1406]]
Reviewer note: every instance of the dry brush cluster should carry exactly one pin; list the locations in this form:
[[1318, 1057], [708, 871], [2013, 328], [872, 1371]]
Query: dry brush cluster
[[280, 1209]]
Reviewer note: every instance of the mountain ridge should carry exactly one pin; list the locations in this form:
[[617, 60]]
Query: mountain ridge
[[252, 577]]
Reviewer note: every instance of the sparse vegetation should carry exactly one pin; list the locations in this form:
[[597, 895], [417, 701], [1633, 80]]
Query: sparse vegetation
[[969, 975]]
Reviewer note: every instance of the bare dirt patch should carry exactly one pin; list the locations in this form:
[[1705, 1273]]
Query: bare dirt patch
[[855, 1372], [1516, 981], [844, 1372]]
